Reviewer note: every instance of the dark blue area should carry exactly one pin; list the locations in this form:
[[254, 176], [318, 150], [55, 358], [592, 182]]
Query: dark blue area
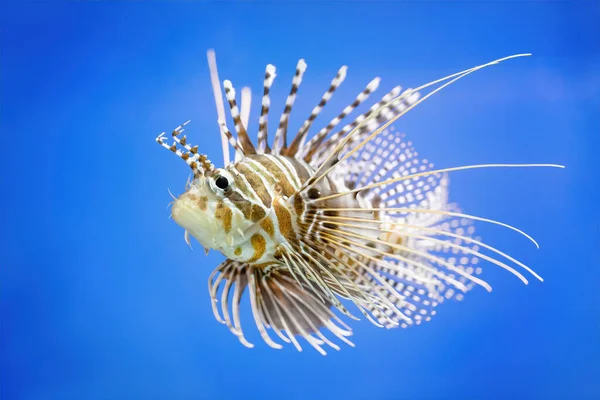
[[102, 299]]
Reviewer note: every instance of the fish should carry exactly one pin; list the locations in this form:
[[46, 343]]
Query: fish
[[347, 223]]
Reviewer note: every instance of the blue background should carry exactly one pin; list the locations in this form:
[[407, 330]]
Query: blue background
[[102, 299]]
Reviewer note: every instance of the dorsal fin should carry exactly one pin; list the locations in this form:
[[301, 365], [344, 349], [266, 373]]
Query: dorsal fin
[[369, 126], [216, 85], [313, 145], [239, 152], [243, 137], [263, 134], [280, 142], [298, 141], [245, 103]]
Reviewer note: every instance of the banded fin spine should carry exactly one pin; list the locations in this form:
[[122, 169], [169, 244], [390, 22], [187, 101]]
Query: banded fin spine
[[300, 138], [263, 134], [242, 134], [280, 141], [315, 143]]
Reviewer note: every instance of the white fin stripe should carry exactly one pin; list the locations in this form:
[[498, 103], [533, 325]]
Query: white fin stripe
[[290, 172], [313, 144], [263, 135], [243, 137], [245, 103], [302, 132], [280, 141]]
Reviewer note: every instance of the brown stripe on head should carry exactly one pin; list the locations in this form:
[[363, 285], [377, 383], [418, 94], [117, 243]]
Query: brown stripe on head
[[259, 244], [224, 213], [203, 202], [284, 161], [256, 183], [277, 172], [301, 171], [241, 204], [257, 213]]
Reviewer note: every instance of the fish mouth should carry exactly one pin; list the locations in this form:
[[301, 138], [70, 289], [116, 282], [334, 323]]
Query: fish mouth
[[195, 221]]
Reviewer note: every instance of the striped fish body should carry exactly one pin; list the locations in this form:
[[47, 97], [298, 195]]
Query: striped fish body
[[354, 215], [260, 213]]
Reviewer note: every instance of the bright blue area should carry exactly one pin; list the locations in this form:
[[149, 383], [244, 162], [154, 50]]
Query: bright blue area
[[102, 299]]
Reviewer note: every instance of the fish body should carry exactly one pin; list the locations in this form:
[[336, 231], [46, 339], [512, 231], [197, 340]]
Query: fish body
[[352, 216]]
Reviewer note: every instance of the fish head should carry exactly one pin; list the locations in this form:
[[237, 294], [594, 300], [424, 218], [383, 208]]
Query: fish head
[[216, 214]]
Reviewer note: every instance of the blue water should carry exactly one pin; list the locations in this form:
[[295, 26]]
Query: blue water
[[102, 299]]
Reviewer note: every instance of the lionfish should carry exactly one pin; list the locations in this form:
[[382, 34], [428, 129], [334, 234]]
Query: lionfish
[[348, 218]]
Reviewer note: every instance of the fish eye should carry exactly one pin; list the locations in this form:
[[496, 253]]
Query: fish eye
[[222, 182]]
